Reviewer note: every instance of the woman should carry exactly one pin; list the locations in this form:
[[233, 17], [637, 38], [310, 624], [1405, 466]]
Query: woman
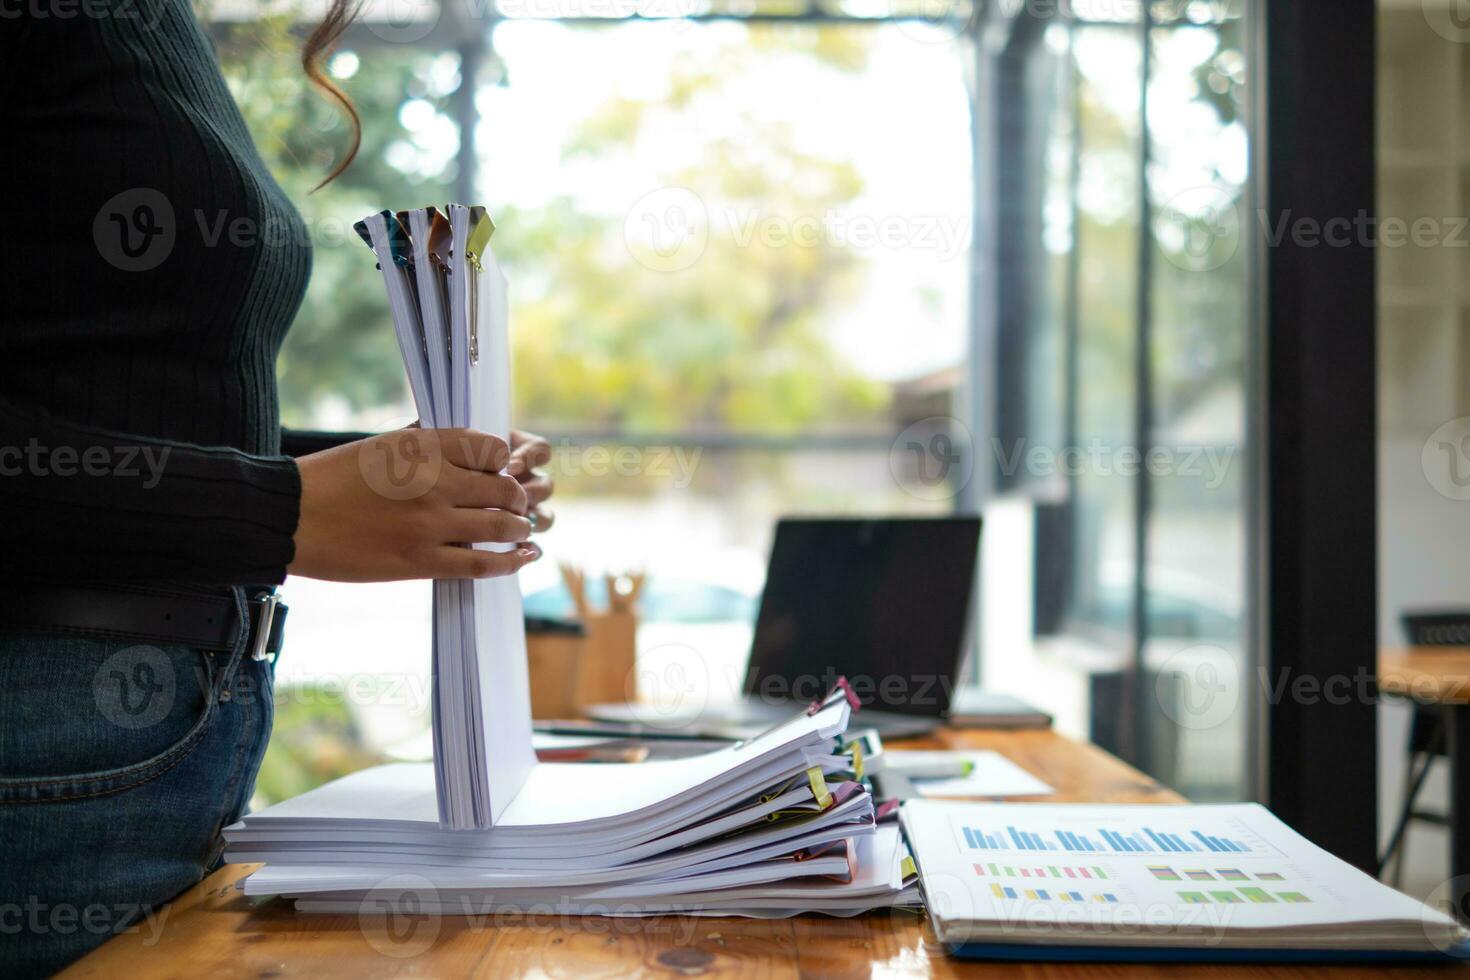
[[149, 501]]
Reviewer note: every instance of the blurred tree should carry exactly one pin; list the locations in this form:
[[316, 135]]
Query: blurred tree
[[342, 347], [734, 341], [617, 333]]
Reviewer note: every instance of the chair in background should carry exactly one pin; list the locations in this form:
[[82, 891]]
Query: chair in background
[[1426, 734]]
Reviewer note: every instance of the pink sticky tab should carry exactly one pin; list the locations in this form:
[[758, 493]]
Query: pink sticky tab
[[847, 692]]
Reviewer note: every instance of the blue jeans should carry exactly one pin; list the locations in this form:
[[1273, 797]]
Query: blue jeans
[[119, 765]]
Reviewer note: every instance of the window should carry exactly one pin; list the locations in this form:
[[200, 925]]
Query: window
[[739, 250], [1126, 434]]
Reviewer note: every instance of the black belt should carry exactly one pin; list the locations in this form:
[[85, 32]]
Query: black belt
[[145, 615]]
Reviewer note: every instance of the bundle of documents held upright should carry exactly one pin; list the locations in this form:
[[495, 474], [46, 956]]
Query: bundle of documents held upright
[[778, 824]]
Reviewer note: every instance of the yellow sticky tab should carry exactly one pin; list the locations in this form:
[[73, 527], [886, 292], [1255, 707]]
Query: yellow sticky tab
[[908, 868], [819, 787], [480, 232], [857, 760]]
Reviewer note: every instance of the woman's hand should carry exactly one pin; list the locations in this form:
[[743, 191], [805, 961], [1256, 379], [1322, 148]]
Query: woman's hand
[[400, 506], [528, 451]]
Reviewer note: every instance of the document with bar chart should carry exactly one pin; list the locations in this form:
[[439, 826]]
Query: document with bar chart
[[1028, 876]]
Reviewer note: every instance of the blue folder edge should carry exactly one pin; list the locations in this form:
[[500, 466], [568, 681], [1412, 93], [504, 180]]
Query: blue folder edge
[[1156, 954]]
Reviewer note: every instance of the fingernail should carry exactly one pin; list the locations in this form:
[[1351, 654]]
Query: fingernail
[[517, 467], [530, 554]]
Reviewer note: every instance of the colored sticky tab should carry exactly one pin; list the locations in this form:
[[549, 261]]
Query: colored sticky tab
[[841, 689], [887, 810], [362, 232], [857, 759], [908, 868], [481, 228], [399, 242], [818, 782], [441, 239]]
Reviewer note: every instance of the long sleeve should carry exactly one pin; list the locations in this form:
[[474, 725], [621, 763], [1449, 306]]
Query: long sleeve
[[84, 504], [145, 304], [303, 442]]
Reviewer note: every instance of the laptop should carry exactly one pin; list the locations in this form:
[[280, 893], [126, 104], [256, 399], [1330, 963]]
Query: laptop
[[884, 602]]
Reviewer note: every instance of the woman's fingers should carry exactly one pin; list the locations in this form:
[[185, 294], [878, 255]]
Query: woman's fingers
[[452, 562], [528, 452], [466, 525], [468, 488], [471, 449], [538, 488]]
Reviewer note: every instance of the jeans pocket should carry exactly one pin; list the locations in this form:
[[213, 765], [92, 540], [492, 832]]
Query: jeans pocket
[[86, 717]]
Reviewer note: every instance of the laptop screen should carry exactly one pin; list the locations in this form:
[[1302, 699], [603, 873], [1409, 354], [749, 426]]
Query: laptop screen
[[883, 601]]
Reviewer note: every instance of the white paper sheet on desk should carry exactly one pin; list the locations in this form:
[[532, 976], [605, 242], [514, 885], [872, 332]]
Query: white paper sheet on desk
[[992, 775]]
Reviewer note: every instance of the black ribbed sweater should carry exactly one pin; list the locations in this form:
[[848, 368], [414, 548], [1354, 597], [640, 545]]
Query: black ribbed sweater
[[149, 269]]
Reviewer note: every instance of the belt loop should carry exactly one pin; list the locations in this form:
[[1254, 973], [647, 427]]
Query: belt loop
[[237, 649]]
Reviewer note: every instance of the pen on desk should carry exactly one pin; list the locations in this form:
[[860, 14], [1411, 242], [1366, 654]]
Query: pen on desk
[[631, 732]]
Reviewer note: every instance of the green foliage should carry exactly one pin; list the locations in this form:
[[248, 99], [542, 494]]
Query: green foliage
[[736, 341], [342, 345], [733, 341], [314, 740]]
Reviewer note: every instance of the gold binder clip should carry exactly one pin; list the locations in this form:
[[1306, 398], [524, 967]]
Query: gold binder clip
[[441, 243], [481, 228]]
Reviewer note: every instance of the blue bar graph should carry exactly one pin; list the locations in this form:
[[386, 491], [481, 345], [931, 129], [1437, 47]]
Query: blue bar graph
[[1143, 840], [981, 841], [1220, 844]]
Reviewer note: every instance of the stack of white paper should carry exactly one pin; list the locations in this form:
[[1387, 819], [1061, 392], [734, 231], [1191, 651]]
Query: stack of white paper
[[449, 305], [771, 826], [716, 833]]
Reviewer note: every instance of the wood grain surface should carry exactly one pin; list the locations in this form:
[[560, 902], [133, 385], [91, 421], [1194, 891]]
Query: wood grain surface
[[1433, 675], [215, 931]]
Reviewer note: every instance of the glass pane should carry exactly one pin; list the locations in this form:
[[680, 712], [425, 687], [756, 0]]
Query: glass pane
[[1132, 487], [727, 302], [1195, 656], [1108, 65]]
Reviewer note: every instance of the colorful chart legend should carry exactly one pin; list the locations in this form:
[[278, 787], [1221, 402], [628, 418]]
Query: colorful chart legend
[[1225, 897], [1051, 895], [1073, 871]]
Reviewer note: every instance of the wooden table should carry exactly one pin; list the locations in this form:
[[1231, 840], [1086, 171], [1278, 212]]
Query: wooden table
[[215, 931], [1438, 678]]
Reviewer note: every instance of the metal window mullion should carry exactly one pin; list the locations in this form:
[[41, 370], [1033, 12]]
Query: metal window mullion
[[1143, 413]]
